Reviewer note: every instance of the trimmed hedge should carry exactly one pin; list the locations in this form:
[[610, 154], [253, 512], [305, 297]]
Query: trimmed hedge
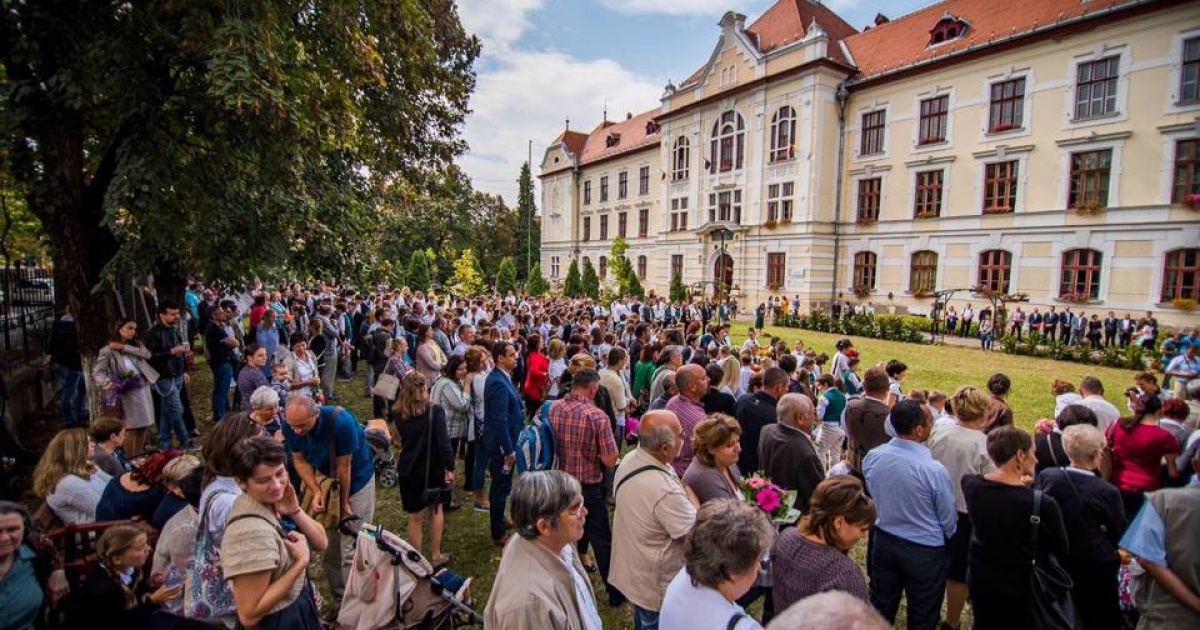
[[886, 327], [1131, 357]]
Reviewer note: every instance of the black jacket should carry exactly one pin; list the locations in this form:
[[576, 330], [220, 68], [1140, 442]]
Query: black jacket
[[717, 401], [754, 413], [1092, 513], [63, 346], [159, 341]]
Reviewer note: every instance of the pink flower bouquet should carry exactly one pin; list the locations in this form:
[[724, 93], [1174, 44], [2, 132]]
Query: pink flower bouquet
[[770, 498]]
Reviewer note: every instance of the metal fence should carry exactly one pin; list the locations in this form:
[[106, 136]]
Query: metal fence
[[26, 312]]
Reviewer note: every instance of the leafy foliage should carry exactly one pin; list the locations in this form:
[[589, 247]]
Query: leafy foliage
[[467, 278], [229, 139], [887, 327], [573, 285], [630, 284], [506, 278], [417, 276], [529, 231], [678, 291], [590, 282], [537, 285]]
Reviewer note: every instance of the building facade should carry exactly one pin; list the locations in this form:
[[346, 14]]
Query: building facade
[[1049, 149]]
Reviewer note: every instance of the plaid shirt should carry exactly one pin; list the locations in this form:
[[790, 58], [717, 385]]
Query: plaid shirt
[[690, 414], [583, 436]]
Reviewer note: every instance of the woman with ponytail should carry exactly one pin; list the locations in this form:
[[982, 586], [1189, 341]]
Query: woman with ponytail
[[1139, 447]]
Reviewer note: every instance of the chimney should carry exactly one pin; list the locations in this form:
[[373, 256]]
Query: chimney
[[881, 19], [628, 115]]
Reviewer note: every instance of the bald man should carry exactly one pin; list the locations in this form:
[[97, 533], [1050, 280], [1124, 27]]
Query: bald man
[[787, 451], [692, 382], [652, 517]]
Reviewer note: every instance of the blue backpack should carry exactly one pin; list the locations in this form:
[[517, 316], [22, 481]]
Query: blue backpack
[[536, 447]]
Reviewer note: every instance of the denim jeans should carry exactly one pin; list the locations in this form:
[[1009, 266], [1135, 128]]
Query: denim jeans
[[72, 396], [170, 413], [498, 493], [644, 619], [222, 379]]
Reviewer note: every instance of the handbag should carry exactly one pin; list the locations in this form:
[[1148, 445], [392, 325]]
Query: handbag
[[387, 385], [431, 496], [1049, 584], [206, 593], [327, 485]]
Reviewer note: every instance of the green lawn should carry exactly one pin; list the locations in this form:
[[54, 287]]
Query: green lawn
[[467, 537]]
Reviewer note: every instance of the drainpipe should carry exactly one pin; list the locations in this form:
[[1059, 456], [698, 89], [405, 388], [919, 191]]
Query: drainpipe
[[842, 96]]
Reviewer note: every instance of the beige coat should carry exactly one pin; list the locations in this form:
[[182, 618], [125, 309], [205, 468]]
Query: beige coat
[[653, 515], [533, 590], [137, 407]]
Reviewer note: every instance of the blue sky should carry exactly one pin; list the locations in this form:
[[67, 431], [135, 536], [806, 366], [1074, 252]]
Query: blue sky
[[546, 60]]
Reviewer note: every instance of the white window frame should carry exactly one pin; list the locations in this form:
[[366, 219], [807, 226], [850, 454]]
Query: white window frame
[[1003, 154], [886, 108], [1026, 128], [1114, 173], [1101, 51], [951, 104], [1172, 100]]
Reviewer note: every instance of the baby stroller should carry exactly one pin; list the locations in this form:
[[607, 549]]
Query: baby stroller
[[379, 437], [392, 586]]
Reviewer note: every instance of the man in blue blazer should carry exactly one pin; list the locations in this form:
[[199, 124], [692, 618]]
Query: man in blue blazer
[[503, 419]]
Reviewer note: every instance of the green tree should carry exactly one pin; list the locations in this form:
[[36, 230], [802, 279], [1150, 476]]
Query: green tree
[[590, 282], [616, 266], [529, 231], [678, 291], [227, 139], [630, 283], [506, 278], [537, 285], [467, 279], [573, 285], [417, 275]]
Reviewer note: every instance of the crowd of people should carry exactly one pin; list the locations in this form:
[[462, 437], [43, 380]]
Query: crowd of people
[[664, 431]]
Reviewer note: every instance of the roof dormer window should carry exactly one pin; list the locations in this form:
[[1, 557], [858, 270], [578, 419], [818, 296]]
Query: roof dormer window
[[948, 28], [612, 140], [651, 128]]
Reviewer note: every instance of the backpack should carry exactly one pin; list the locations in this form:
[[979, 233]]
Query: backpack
[[536, 448]]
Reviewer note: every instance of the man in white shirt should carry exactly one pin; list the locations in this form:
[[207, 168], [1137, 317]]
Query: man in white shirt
[[1092, 391]]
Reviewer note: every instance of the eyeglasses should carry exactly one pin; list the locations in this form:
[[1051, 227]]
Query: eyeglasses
[[576, 508]]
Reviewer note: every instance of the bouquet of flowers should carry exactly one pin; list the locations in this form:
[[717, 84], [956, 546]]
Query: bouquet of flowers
[[119, 386], [758, 490]]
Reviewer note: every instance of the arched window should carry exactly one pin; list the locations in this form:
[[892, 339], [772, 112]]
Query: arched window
[[864, 271], [783, 134], [603, 267], [681, 160], [995, 270], [922, 276], [1080, 273], [728, 143], [1181, 275]]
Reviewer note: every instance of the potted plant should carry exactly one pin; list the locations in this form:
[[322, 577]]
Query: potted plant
[[922, 293], [769, 224], [862, 291], [774, 286], [866, 221], [1192, 201], [1091, 206], [1187, 305], [1076, 298]]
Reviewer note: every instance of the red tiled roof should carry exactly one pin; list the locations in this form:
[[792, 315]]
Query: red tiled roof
[[905, 41], [786, 22], [573, 139], [631, 131]]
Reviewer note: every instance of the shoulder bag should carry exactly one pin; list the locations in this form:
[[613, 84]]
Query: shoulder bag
[[207, 594], [327, 485], [1049, 584], [387, 385]]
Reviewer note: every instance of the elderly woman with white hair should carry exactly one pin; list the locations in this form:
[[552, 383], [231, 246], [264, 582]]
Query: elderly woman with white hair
[[540, 582], [1094, 517], [264, 409], [722, 556]]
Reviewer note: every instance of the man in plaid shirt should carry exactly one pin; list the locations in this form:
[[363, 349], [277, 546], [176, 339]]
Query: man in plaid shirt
[[586, 449]]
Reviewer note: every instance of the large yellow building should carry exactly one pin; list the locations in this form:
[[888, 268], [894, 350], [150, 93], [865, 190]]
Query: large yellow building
[[1044, 147]]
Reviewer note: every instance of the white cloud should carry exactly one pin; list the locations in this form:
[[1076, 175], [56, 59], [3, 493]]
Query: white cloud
[[524, 95], [497, 22], [528, 96]]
